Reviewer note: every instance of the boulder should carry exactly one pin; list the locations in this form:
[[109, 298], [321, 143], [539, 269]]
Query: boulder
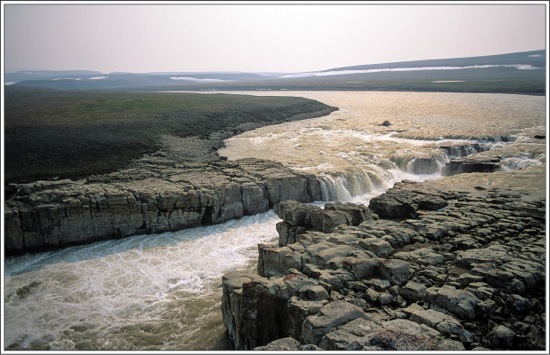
[[296, 214], [394, 270], [413, 291], [330, 316], [283, 344], [404, 335], [459, 302], [386, 206], [341, 337], [501, 337]]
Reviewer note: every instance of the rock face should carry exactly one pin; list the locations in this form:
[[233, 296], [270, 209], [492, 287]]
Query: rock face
[[470, 165], [399, 203], [432, 266], [55, 214]]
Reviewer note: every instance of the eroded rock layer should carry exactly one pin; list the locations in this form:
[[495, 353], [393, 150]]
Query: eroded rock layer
[[161, 197], [453, 264]]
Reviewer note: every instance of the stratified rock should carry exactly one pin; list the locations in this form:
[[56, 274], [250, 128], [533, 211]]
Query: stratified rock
[[399, 203], [443, 280], [53, 214], [250, 325], [392, 207], [469, 165], [298, 217], [295, 213], [359, 213]]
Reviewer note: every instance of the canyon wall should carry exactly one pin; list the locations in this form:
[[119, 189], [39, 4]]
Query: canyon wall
[[448, 265], [54, 214]]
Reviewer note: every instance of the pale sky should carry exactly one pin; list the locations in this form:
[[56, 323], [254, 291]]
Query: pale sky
[[262, 37]]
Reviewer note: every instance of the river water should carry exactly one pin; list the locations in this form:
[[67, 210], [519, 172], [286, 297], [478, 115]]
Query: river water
[[163, 292]]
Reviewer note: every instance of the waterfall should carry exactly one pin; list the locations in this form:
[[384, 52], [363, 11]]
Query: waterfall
[[358, 185], [162, 292], [335, 188]]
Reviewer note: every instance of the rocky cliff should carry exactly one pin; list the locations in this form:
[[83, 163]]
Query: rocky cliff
[[454, 264], [164, 197]]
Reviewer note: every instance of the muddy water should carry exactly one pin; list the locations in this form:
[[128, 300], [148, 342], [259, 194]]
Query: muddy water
[[162, 292], [355, 134], [154, 292]]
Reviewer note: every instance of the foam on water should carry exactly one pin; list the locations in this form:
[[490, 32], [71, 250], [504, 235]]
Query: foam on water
[[518, 163], [90, 295], [163, 292]]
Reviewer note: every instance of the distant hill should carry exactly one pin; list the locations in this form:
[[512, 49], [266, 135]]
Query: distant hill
[[533, 58], [521, 72]]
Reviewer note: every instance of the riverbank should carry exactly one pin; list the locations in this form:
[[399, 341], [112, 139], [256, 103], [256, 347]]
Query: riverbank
[[156, 196], [457, 263], [88, 166], [68, 134], [163, 291]]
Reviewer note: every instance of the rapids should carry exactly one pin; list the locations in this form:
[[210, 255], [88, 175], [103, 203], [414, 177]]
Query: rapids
[[163, 292]]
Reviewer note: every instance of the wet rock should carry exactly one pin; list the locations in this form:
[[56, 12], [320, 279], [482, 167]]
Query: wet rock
[[425, 165], [469, 165]]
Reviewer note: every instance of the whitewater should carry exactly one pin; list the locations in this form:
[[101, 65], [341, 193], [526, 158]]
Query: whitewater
[[163, 291]]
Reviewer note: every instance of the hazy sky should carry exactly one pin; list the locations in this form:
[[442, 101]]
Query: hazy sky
[[262, 37]]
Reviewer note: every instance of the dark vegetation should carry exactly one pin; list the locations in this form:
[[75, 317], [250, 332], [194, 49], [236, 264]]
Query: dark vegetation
[[73, 128], [69, 134]]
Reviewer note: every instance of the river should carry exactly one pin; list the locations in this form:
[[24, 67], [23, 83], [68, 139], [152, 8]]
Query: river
[[163, 291]]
